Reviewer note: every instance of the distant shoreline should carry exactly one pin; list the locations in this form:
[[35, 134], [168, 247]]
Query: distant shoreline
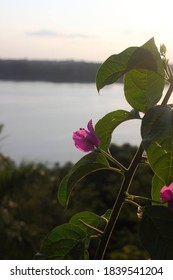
[[67, 71], [48, 71]]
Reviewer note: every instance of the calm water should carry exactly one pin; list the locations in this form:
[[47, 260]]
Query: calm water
[[39, 118]]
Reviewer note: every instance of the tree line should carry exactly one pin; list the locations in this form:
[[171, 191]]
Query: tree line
[[67, 71], [49, 71]]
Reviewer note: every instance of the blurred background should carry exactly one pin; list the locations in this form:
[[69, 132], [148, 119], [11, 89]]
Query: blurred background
[[81, 30]]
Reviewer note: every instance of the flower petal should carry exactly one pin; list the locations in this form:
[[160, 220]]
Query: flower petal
[[80, 134], [166, 194], [84, 146], [90, 126], [92, 137]]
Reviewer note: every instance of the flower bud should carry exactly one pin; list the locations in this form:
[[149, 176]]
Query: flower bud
[[163, 49]]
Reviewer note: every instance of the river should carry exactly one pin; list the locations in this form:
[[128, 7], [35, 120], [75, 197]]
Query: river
[[39, 118]]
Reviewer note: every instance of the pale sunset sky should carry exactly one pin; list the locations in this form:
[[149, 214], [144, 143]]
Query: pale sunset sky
[[89, 30]]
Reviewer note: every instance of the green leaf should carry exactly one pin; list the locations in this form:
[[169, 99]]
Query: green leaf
[[143, 86], [143, 89], [92, 162], [109, 122], [157, 184], [145, 57], [89, 218], [156, 232], [157, 138], [107, 214], [113, 68], [65, 242]]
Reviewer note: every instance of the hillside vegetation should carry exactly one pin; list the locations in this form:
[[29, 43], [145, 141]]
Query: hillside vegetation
[[29, 208]]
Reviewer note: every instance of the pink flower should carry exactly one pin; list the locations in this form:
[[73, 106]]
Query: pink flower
[[166, 195], [86, 140]]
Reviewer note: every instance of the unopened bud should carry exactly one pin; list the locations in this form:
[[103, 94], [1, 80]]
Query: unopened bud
[[139, 213], [163, 49]]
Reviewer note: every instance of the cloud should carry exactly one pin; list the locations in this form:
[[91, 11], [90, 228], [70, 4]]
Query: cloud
[[42, 33], [51, 33]]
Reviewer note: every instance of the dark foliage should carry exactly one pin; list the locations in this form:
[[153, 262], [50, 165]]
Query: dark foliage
[[29, 207]]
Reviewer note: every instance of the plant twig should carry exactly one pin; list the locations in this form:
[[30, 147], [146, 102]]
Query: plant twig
[[112, 159], [118, 204], [168, 94], [91, 227]]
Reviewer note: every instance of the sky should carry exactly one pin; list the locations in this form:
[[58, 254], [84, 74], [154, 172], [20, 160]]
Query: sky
[[88, 30]]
